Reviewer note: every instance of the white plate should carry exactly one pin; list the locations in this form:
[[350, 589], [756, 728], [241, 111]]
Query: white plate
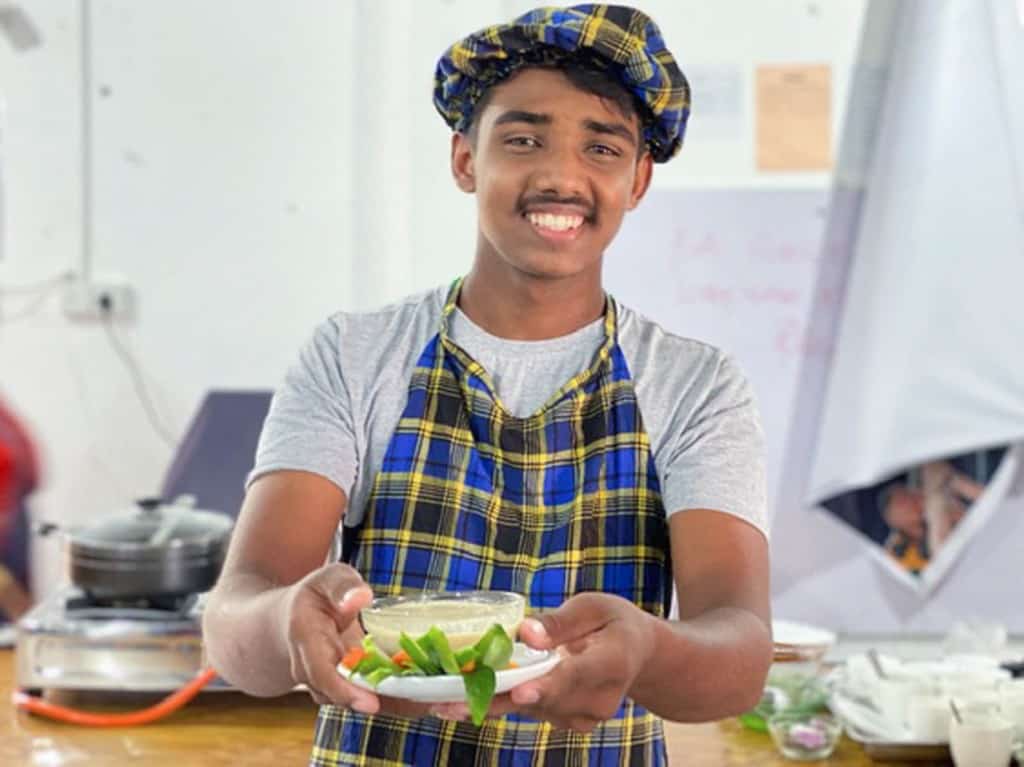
[[450, 689], [801, 634], [866, 724]]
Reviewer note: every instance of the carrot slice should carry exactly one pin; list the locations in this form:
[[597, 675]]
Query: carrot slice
[[468, 667], [512, 664], [401, 658], [352, 657]]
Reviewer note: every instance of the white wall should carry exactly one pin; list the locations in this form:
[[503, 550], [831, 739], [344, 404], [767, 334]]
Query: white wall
[[258, 164], [48, 369]]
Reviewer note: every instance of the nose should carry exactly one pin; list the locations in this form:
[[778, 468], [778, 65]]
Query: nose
[[560, 173]]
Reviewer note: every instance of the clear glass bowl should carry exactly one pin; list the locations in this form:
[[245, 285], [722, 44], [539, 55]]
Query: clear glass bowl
[[462, 615], [787, 689], [805, 737]]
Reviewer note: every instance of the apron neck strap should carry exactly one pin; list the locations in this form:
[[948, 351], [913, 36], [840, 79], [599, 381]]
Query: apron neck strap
[[611, 313]]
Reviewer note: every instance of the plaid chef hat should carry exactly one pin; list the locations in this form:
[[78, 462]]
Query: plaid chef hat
[[620, 40]]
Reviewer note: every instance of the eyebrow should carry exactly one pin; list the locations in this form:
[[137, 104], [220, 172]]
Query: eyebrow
[[522, 116], [614, 129]]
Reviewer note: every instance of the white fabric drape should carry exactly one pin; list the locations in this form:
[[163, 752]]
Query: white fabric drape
[[930, 352]]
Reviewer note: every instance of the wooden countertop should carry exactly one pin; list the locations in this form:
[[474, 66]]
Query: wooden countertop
[[218, 728]]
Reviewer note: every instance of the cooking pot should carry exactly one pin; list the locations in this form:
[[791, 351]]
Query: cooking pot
[[155, 550]]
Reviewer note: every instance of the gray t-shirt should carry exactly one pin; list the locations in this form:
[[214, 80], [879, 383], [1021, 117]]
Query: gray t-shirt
[[340, 402]]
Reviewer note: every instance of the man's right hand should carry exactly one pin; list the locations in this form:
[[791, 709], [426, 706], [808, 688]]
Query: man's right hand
[[279, 617], [322, 622]]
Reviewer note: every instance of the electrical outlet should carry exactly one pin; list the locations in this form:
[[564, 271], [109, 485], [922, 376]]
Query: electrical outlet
[[99, 299]]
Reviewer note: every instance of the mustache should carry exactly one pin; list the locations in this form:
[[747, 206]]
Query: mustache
[[547, 199]]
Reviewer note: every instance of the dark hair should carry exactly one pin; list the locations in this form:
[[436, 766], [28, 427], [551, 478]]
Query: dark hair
[[587, 77]]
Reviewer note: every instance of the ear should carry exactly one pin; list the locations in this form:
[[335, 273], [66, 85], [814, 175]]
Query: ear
[[463, 170], [641, 179]]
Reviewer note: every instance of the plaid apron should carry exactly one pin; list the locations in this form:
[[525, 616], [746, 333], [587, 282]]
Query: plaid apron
[[470, 497]]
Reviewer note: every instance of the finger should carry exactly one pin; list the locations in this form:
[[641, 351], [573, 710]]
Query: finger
[[577, 646], [453, 712], [352, 601], [356, 598], [318, 697], [502, 705], [336, 581], [346, 611], [299, 655], [576, 677], [352, 634], [557, 684], [582, 724], [505, 703], [401, 707], [579, 616], [321, 674]]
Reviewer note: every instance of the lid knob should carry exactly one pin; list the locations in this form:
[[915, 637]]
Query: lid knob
[[149, 504]]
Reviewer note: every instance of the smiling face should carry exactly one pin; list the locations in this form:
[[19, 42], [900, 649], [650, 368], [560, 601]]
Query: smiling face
[[554, 169]]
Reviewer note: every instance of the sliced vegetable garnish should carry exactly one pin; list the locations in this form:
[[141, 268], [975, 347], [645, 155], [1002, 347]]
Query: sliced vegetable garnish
[[480, 684], [373, 662], [352, 657], [418, 656], [443, 650], [432, 655], [378, 675], [494, 648], [465, 655]]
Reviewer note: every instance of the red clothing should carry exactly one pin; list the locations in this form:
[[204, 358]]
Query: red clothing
[[19, 467], [19, 476]]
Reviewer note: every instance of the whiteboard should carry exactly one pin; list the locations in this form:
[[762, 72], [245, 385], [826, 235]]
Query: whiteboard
[[744, 270]]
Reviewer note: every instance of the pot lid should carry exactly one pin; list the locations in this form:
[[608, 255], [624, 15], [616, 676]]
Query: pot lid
[[154, 525]]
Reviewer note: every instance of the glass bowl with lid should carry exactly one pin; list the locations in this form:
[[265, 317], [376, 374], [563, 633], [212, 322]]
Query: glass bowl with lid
[[463, 616]]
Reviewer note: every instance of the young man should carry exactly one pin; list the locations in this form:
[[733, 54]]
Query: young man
[[518, 430]]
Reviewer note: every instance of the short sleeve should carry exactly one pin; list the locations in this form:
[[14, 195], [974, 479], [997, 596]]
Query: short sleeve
[[716, 458], [310, 424]]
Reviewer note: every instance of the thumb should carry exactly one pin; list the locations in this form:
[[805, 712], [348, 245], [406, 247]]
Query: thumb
[[579, 616], [345, 588], [355, 599]]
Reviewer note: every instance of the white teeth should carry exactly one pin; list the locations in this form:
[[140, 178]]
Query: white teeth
[[555, 223]]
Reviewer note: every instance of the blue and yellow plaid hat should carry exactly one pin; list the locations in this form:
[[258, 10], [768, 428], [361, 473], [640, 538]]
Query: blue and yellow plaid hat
[[621, 40]]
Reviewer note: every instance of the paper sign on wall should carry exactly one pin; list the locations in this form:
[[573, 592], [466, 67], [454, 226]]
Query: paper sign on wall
[[794, 118], [721, 88]]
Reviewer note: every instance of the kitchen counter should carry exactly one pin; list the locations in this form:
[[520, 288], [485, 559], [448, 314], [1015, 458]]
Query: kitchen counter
[[226, 728], [216, 728]]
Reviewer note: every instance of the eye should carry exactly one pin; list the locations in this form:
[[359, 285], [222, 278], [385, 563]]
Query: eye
[[605, 150], [522, 142]]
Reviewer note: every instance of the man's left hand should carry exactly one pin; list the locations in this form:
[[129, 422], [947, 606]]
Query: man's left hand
[[606, 641]]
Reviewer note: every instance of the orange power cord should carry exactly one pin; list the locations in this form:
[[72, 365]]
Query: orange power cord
[[168, 705]]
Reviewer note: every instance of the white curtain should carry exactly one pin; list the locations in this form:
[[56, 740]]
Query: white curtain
[[929, 358]]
